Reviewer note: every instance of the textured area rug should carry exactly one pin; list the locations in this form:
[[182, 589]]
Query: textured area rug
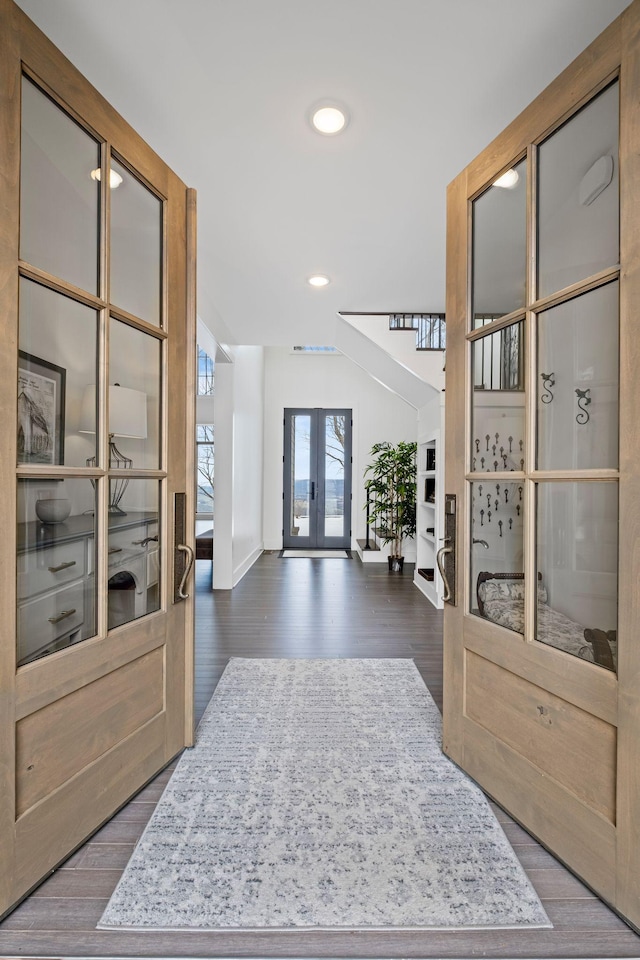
[[317, 796], [316, 554]]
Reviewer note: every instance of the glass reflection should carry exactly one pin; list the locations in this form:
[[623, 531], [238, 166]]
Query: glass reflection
[[497, 443], [500, 247], [578, 196], [57, 359], [577, 559], [59, 200], [134, 396], [578, 382], [497, 553], [136, 247], [55, 566], [134, 555]]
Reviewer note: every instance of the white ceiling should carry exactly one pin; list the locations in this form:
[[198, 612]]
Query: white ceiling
[[221, 88]]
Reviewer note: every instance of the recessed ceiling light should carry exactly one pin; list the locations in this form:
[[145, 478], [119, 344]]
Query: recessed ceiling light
[[318, 280], [508, 180], [114, 178], [328, 117]]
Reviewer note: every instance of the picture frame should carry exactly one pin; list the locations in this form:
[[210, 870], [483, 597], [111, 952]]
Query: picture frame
[[41, 410]]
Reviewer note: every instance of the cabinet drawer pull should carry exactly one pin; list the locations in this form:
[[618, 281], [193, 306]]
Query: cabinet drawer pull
[[62, 566], [62, 616], [114, 550]]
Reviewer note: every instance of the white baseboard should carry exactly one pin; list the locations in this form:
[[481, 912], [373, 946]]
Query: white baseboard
[[246, 565]]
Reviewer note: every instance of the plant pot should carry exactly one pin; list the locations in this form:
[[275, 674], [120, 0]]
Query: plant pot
[[395, 564]]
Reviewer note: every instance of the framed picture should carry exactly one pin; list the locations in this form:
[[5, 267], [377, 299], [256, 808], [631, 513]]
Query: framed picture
[[41, 399]]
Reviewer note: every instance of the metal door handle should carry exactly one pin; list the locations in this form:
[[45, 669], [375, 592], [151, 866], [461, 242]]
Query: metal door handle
[[187, 570], [313, 489], [439, 555]]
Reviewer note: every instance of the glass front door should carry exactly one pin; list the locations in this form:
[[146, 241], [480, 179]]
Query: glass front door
[[317, 479], [541, 694], [95, 643]]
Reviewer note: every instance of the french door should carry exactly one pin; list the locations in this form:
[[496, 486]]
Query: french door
[[542, 699], [97, 316], [317, 479]]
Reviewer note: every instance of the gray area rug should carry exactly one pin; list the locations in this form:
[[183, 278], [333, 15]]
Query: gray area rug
[[317, 796]]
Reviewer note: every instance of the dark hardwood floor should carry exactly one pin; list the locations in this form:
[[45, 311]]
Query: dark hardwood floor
[[303, 608]]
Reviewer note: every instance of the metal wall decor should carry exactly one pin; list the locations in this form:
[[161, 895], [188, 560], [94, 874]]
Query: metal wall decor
[[584, 399], [547, 382]]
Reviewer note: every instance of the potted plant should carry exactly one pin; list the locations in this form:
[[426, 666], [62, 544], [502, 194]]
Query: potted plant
[[392, 491]]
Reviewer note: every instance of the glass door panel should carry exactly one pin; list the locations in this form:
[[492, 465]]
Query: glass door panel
[[578, 382], [59, 192], [55, 565], [577, 563], [136, 246], [133, 554], [578, 196], [134, 395], [500, 247], [58, 358], [334, 474], [496, 564], [498, 410], [300, 476]]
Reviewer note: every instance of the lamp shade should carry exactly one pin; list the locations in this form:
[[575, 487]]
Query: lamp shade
[[127, 411]]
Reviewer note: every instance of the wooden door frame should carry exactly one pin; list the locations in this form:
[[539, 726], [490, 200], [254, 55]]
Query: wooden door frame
[[616, 52], [34, 687]]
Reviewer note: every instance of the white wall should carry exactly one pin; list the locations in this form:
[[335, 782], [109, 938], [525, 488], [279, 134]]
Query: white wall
[[327, 381], [238, 427], [401, 345]]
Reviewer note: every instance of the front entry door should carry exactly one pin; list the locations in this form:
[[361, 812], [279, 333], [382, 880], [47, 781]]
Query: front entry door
[[96, 310], [317, 479], [542, 700]]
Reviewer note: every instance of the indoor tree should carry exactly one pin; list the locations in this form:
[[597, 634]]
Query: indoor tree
[[392, 490]]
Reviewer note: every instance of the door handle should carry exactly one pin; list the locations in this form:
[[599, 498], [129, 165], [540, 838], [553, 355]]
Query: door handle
[[187, 570], [313, 489], [442, 552]]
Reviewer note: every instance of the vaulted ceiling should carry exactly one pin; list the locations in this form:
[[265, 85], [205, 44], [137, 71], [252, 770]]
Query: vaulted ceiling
[[221, 90]]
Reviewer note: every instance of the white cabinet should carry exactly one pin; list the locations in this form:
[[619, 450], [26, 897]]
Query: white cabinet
[[56, 579]]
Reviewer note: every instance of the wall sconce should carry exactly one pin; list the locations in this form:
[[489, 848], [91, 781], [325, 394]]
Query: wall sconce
[[127, 418]]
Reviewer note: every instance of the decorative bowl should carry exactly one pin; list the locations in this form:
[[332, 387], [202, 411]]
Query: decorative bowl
[[55, 510]]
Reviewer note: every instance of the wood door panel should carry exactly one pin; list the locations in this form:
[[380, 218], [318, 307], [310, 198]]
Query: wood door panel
[[579, 682], [44, 681], [59, 741], [577, 835], [46, 834], [575, 748]]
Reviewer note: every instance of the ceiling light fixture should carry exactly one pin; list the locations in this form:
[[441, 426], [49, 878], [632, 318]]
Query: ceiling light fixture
[[328, 117], [318, 280], [114, 178], [508, 180]]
